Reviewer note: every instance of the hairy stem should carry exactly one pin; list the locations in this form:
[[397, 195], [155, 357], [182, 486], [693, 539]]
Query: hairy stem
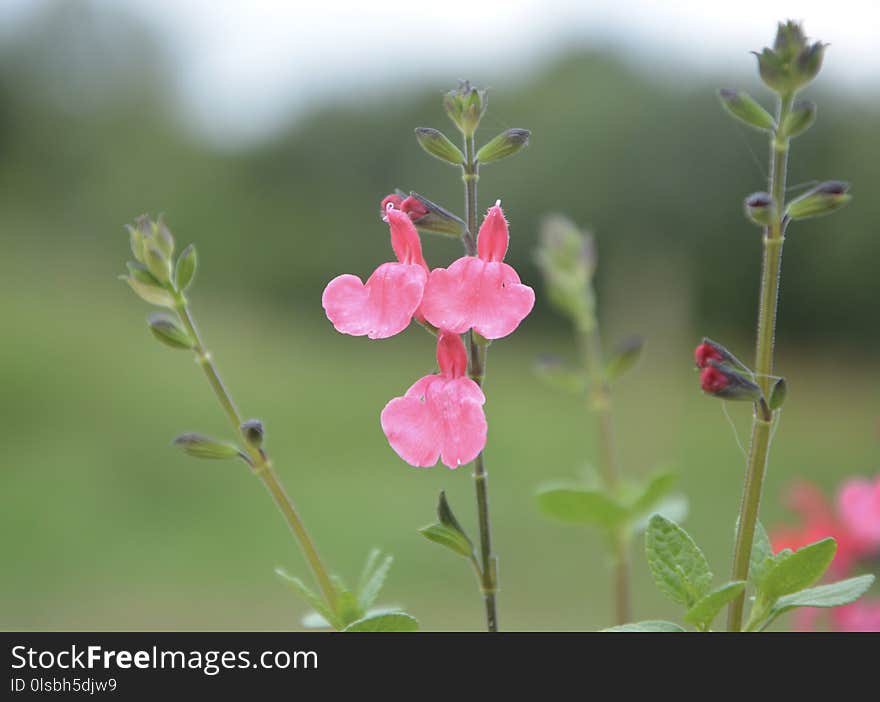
[[259, 460], [477, 373], [600, 404], [774, 236]]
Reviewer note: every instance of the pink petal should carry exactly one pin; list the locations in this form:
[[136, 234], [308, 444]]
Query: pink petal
[[405, 238], [451, 355], [494, 237], [859, 616], [437, 418], [473, 293], [379, 308], [859, 507]]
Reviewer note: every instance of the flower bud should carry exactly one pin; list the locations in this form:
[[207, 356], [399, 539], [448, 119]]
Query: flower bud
[[166, 329], [466, 106], [136, 239], [709, 352], [505, 144], [438, 145], [185, 270], [800, 119], [792, 62], [157, 263], [253, 432], [430, 217], [821, 200], [760, 208], [726, 383], [163, 238], [202, 446], [778, 394], [394, 199], [744, 108], [146, 286]]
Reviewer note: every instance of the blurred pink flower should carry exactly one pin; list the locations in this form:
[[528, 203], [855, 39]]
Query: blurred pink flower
[[440, 416], [858, 616], [858, 504], [385, 304], [479, 292]]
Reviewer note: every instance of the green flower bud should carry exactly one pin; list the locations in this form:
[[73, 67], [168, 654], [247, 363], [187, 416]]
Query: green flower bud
[[821, 200], [148, 288], [157, 263], [432, 218], [778, 394], [505, 144], [466, 107], [202, 446], [760, 208], [792, 62], [744, 108], [167, 330], [185, 270], [163, 238], [438, 145], [800, 119], [253, 432], [136, 239]]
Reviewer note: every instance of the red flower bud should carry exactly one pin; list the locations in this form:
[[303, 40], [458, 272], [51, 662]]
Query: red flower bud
[[393, 199], [713, 381], [414, 207], [706, 352]]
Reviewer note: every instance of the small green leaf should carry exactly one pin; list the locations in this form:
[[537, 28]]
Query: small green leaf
[[843, 592], [185, 270], [166, 329], [369, 591], [678, 565], [799, 570], [762, 554], [201, 446], [450, 538], [577, 505], [302, 590], [625, 357], [657, 487], [390, 621], [706, 609], [646, 626]]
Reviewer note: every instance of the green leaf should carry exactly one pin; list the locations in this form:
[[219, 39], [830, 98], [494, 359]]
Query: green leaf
[[369, 591], [678, 565], [673, 507], [450, 538], [646, 626], [703, 613], [799, 570], [185, 270], [842, 592], [577, 505], [347, 607], [625, 357], [390, 621], [301, 589], [762, 555], [654, 490]]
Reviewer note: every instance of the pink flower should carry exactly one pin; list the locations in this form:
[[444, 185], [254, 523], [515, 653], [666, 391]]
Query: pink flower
[[440, 416], [385, 304], [480, 292], [859, 506], [858, 616]]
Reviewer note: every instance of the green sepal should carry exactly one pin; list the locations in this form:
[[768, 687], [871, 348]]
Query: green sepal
[[799, 120]]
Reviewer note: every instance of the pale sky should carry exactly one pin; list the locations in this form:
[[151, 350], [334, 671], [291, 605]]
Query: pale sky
[[244, 65]]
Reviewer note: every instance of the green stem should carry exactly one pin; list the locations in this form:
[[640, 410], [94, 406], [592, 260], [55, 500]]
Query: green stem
[[600, 404], [477, 373], [259, 460], [774, 237]]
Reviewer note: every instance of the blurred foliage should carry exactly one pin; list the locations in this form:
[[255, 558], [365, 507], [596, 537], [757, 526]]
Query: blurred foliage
[[89, 139]]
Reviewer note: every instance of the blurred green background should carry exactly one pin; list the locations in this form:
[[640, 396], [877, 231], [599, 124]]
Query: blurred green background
[[104, 525]]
